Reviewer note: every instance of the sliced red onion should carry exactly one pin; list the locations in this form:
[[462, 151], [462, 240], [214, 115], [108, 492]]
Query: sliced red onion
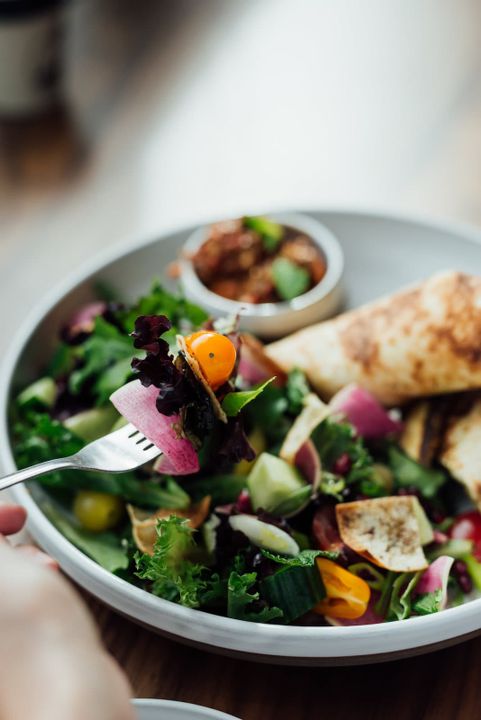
[[83, 319], [137, 404], [436, 578], [250, 370], [254, 365], [308, 462], [364, 412]]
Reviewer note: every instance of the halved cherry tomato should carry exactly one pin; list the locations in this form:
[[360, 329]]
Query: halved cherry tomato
[[467, 526], [215, 354], [347, 595]]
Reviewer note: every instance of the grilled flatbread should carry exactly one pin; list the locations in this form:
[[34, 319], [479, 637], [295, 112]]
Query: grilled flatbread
[[461, 451], [421, 341], [386, 531]]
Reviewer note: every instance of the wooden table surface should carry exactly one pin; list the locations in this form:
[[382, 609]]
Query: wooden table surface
[[189, 109]]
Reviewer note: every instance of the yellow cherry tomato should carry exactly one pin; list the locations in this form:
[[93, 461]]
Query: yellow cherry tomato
[[347, 595], [97, 511], [215, 354]]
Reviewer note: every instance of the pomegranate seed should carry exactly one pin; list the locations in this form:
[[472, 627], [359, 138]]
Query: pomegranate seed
[[243, 503], [342, 465], [460, 573]]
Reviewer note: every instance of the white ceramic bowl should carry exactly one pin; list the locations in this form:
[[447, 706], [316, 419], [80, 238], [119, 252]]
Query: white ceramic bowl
[[382, 253], [271, 320], [170, 710]]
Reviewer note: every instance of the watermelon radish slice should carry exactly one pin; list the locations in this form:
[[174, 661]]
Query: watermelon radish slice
[[165, 466], [83, 320], [436, 578], [137, 404], [364, 412], [308, 462]]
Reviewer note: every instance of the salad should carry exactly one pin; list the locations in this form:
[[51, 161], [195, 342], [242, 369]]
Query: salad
[[268, 503]]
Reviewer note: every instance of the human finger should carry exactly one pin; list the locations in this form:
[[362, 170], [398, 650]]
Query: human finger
[[12, 518]]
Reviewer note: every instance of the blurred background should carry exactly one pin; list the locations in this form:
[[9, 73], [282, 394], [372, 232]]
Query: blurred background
[[172, 112]]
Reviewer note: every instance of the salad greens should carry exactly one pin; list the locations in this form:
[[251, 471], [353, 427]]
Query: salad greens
[[172, 574], [175, 533]]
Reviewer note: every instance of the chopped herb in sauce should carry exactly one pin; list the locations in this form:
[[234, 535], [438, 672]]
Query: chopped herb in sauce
[[256, 260]]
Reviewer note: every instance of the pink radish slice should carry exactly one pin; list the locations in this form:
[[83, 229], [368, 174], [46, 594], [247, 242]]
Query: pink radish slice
[[308, 462], [364, 412], [251, 371], [439, 537], [83, 319], [137, 404], [436, 578], [165, 466]]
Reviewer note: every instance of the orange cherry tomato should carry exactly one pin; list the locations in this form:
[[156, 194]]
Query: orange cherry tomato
[[215, 354], [347, 595]]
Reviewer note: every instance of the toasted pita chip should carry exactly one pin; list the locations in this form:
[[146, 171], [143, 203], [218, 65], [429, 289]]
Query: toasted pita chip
[[144, 524], [461, 451], [385, 531]]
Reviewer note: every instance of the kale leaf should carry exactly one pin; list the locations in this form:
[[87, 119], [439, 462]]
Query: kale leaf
[[173, 576]]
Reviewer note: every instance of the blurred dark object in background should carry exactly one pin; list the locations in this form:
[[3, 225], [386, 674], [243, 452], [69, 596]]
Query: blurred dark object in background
[[30, 56]]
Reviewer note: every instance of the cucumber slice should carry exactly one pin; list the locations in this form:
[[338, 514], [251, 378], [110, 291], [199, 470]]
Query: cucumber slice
[[43, 391], [294, 589], [272, 481], [265, 535], [426, 534], [92, 424]]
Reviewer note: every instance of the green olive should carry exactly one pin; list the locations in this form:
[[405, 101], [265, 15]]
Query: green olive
[[97, 511]]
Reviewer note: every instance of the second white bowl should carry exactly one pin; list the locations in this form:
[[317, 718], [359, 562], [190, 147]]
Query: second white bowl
[[271, 320]]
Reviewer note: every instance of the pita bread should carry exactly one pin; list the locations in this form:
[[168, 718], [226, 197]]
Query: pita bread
[[422, 341], [423, 428], [385, 531], [461, 451]]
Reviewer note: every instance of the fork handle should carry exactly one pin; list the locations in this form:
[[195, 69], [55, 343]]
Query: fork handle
[[36, 470]]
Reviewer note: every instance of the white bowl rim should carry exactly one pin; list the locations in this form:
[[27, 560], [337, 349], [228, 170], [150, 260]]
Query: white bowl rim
[[200, 711], [271, 640], [321, 236]]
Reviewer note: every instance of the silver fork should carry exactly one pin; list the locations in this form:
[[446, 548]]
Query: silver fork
[[120, 451]]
